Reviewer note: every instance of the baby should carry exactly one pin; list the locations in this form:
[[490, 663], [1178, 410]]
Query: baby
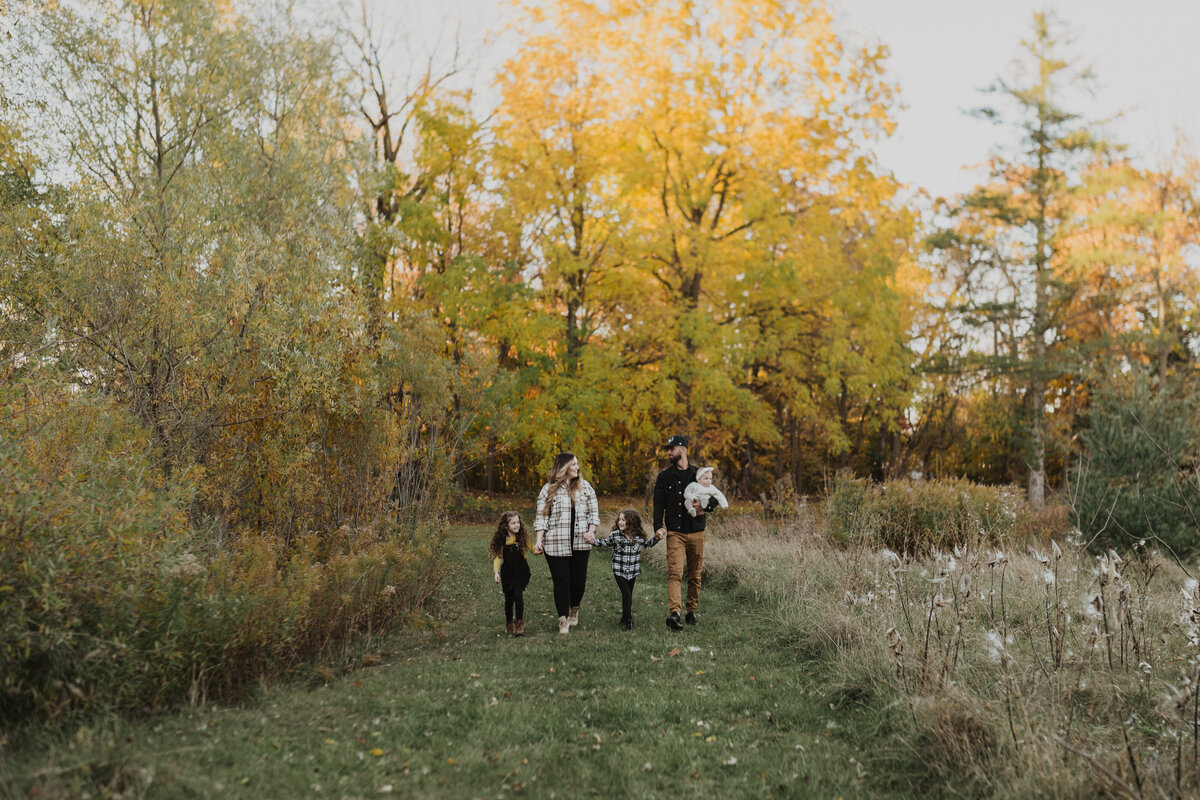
[[702, 490]]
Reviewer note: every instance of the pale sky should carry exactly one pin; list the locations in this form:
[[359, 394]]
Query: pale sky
[[943, 52]]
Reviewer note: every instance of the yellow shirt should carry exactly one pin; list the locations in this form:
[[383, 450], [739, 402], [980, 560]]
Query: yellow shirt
[[510, 539]]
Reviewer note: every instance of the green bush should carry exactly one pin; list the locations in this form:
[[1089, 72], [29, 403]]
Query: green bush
[[910, 517], [1135, 479]]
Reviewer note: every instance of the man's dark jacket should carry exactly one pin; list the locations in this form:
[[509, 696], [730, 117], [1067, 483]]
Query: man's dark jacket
[[668, 501]]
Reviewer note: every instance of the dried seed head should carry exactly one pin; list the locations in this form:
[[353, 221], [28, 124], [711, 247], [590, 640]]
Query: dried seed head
[[996, 649], [895, 644]]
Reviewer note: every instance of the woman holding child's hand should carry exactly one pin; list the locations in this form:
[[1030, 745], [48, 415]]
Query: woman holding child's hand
[[567, 516]]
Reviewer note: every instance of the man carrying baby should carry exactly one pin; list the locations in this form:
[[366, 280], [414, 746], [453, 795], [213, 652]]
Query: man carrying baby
[[685, 533]]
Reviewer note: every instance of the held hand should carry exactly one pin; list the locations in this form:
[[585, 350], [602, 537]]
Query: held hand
[[590, 537], [496, 577], [537, 546], [661, 533]]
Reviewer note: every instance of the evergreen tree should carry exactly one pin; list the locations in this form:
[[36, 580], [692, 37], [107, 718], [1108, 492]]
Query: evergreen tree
[[1136, 479]]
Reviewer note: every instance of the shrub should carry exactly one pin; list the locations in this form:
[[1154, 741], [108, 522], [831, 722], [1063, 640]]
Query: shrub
[[1133, 481], [911, 517], [109, 599], [782, 501]]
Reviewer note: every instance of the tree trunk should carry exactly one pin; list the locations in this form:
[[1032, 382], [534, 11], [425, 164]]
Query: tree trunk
[[489, 472]]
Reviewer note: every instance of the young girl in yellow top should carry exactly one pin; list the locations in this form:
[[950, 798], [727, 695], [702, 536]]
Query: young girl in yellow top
[[510, 569]]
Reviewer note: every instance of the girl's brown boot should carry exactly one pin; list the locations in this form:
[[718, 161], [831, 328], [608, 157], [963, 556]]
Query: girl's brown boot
[[519, 627]]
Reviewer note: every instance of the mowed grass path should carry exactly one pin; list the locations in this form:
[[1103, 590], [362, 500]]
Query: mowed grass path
[[724, 709]]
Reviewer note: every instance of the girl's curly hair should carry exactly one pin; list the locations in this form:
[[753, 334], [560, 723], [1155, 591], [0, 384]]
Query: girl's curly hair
[[633, 524], [497, 545]]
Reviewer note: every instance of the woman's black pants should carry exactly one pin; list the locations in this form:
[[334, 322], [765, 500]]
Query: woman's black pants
[[569, 574]]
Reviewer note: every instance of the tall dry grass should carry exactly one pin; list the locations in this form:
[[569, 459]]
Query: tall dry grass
[[1000, 666]]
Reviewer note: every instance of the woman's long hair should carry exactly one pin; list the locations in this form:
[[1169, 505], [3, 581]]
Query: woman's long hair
[[633, 524], [502, 532], [559, 479]]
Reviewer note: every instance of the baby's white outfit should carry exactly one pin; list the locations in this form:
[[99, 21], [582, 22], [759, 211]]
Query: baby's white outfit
[[696, 491]]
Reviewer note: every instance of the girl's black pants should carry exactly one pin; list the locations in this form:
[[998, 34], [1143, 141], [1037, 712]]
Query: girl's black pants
[[626, 587], [514, 605]]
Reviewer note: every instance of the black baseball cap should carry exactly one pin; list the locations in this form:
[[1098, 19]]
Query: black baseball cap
[[676, 441]]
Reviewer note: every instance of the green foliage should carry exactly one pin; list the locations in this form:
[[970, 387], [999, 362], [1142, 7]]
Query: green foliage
[[194, 435], [1007, 252], [912, 517], [270, 353], [1136, 477], [111, 600]]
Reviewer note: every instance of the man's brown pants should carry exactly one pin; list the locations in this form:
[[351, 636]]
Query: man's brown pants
[[681, 548]]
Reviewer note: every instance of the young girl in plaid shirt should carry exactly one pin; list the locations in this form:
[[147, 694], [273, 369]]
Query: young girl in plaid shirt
[[627, 540]]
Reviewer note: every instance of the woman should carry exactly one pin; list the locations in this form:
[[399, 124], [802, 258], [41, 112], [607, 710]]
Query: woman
[[567, 515]]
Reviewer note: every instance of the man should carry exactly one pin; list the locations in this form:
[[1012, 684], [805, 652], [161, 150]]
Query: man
[[685, 533]]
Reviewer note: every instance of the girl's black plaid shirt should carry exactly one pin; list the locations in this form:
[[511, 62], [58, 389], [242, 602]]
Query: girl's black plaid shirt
[[627, 553]]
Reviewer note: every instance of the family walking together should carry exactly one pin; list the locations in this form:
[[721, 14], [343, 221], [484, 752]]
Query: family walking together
[[565, 524]]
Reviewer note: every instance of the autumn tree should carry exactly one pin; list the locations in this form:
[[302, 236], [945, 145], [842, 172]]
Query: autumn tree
[[769, 229], [26, 239], [202, 273], [429, 282], [1128, 247], [710, 212], [1005, 242], [559, 161]]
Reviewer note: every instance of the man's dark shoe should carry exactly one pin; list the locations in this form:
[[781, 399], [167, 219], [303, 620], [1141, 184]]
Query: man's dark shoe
[[627, 624], [673, 621], [690, 619]]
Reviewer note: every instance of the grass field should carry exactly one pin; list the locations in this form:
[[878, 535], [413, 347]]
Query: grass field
[[463, 710]]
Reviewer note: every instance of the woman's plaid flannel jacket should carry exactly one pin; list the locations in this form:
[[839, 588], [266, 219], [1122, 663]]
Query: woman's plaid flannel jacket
[[558, 540]]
